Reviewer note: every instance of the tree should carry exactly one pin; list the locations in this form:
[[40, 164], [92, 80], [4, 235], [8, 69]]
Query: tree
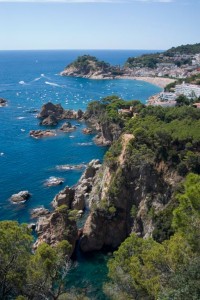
[[15, 252], [47, 270]]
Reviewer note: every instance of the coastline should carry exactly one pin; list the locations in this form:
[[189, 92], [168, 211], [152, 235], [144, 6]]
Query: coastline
[[159, 81]]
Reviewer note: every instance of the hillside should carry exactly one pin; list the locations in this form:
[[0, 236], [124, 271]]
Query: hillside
[[180, 55]]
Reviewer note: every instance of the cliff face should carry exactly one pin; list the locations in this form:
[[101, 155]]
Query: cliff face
[[56, 227], [123, 200]]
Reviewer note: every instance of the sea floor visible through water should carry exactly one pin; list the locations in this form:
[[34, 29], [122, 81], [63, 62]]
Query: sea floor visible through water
[[28, 79]]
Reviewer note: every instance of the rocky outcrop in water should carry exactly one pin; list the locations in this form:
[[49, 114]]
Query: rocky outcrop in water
[[39, 212], [3, 102], [77, 196], [61, 224], [67, 127], [87, 66], [20, 197], [42, 133], [51, 114]]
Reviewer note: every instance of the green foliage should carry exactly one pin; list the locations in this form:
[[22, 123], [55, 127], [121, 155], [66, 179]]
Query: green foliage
[[164, 134], [24, 275], [47, 270], [112, 155], [184, 284], [146, 60], [15, 252], [183, 100], [186, 217], [184, 49]]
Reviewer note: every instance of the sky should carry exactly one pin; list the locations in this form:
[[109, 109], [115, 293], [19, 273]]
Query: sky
[[98, 24]]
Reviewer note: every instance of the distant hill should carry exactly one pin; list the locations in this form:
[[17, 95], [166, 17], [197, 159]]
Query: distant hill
[[90, 67], [151, 60], [184, 49]]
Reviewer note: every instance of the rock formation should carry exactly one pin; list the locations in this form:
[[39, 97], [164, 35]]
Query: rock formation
[[42, 133], [57, 226], [39, 212], [3, 102], [51, 120], [53, 181], [77, 196], [67, 127], [20, 197], [51, 114]]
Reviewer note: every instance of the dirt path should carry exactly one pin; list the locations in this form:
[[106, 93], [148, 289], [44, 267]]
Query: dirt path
[[125, 140]]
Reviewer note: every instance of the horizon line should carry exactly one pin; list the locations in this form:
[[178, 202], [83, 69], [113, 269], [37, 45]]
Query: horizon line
[[85, 49]]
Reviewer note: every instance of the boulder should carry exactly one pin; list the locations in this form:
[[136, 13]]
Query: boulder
[[3, 102], [51, 120], [50, 109], [20, 197], [65, 197], [67, 127], [38, 212], [42, 133], [53, 181], [87, 130]]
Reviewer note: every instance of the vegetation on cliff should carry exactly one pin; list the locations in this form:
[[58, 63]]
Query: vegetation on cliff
[[146, 269]]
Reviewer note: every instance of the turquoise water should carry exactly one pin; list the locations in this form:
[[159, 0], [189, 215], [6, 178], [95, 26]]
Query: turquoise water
[[28, 79]]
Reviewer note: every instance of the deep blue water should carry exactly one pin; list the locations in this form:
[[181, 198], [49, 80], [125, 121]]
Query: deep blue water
[[28, 79]]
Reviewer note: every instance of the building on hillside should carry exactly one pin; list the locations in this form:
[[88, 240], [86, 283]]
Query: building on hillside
[[188, 90]]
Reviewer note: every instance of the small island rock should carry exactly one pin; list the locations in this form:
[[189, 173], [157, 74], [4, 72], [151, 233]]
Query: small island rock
[[20, 197], [42, 133], [3, 102], [67, 127]]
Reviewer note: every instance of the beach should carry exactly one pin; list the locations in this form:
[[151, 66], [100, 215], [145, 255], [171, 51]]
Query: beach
[[159, 81]]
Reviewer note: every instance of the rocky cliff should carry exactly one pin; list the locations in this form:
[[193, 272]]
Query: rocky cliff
[[68, 204], [59, 225], [124, 197]]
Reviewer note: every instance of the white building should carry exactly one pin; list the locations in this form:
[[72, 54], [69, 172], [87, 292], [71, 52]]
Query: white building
[[188, 90]]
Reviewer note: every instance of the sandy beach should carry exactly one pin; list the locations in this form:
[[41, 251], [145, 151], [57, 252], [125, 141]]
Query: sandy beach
[[159, 81]]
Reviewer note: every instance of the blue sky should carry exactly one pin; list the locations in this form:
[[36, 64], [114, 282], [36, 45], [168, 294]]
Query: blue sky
[[98, 24]]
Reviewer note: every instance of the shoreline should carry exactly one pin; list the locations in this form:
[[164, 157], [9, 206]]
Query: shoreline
[[158, 81]]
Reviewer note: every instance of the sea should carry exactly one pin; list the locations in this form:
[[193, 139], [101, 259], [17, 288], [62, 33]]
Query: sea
[[29, 79]]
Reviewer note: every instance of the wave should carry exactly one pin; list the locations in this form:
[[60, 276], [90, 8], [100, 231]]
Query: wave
[[85, 144], [53, 84], [36, 79], [20, 118], [71, 167], [22, 82]]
